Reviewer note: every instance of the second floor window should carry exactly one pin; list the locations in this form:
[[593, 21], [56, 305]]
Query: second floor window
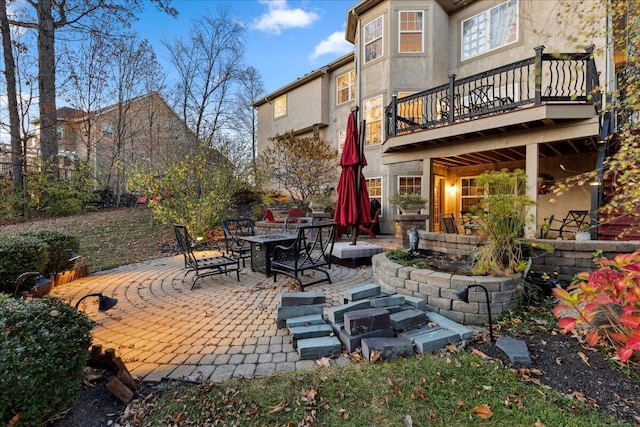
[[411, 32], [60, 133], [280, 106], [491, 29], [373, 40], [373, 116], [346, 87], [107, 130]]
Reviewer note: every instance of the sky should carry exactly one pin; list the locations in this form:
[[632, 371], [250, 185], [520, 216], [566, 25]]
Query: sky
[[285, 39]]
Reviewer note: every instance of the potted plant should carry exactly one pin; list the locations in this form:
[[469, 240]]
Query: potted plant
[[408, 203], [584, 232]]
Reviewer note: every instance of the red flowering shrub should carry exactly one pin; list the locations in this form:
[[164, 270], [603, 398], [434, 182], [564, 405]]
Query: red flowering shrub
[[605, 304]]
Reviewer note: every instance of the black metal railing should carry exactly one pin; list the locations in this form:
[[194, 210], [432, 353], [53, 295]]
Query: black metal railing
[[570, 77]]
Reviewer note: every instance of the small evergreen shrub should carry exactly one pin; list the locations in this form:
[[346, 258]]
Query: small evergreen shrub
[[60, 246], [19, 254], [42, 358]]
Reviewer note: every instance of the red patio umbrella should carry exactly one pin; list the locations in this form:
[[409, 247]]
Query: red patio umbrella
[[352, 205]]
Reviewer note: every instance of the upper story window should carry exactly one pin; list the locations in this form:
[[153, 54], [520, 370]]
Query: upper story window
[[373, 40], [107, 130], [373, 116], [346, 87], [491, 29], [411, 27], [280, 106], [60, 133]]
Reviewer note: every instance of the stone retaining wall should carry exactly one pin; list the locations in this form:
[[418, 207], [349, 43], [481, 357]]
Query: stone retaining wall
[[568, 257], [438, 290]]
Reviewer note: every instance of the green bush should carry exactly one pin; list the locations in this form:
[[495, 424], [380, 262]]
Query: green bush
[[60, 247], [19, 254], [42, 358]]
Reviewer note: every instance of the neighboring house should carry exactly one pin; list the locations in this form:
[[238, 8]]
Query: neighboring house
[[450, 89], [118, 138]]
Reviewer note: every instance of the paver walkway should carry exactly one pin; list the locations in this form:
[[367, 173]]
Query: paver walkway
[[221, 329]]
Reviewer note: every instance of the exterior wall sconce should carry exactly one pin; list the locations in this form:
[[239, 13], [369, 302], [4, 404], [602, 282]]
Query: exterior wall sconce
[[104, 303], [463, 295]]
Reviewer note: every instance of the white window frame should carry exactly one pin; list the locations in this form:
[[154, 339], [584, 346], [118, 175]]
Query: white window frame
[[401, 31], [413, 187], [479, 42], [373, 32], [280, 106], [107, 130], [342, 135], [373, 118], [350, 87], [59, 133], [380, 196], [480, 192]]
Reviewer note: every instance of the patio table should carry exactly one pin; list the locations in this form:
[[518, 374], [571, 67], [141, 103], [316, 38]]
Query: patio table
[[262, 249]]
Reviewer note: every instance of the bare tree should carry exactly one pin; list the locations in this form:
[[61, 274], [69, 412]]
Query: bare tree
[[47, 16], [207, 63], [246, 124]]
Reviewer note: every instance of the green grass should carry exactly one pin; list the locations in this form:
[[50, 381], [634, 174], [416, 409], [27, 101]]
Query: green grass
[[108, 238], [446, 390]]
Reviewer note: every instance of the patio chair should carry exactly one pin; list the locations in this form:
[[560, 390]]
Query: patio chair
[[295, 212], [292, 223], [468, 225], [202, 266], [234, 230], [369, 228], [268, 213], [449, 223], [570, 223]]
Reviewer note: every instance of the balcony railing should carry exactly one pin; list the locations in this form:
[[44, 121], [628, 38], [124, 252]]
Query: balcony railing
[[570, 77]]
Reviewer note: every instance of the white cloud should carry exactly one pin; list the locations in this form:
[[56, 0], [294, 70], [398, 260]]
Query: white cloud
[[334, 44], [281, 17]]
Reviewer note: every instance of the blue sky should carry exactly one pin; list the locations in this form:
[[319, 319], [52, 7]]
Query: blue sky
[[286, 39]]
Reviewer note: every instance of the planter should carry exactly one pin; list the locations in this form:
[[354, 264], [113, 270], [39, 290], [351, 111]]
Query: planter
[[583, 235], [410, 211]]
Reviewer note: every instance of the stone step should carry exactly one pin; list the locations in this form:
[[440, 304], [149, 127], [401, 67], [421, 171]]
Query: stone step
[[313, 331], [316, 348], [430, 339], [407, 319], [361, 321], [312, 319], [301, 298], [361, 292], [287, 312], [336, 314], [351, 342], [416, 302], [517, 350], [464, 332], [388, 301], [388, 348]]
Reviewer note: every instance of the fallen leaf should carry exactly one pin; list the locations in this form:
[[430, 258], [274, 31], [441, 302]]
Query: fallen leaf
[[277, 408], [487, 388], [375, 356], [483, 411], [579, 396], [408, 422], [559, 360], [324, 362], [452, 348], [584, 358], [481, 354], [538, 423]]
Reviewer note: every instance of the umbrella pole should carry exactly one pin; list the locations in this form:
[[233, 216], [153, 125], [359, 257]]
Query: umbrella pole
[[360, 140]]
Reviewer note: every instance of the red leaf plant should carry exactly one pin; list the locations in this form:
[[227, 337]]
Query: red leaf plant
[[605, 304]]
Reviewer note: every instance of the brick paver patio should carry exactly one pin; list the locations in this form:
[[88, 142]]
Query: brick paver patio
[[221, 329]]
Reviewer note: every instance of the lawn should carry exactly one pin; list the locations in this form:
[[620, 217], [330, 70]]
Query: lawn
[[110, 238]]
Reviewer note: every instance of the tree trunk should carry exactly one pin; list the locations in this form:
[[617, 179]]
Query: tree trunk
[[47, 87], [17, 155]]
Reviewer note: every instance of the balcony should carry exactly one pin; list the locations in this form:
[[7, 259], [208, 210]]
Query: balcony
[[542, 90]]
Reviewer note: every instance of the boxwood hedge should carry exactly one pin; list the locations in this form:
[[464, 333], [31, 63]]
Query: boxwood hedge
[[42, 358]]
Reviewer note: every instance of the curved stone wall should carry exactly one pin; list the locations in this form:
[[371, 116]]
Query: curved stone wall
[[438, 290]]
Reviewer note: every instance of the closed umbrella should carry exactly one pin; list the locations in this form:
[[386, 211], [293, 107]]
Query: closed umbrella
[[352, 205]]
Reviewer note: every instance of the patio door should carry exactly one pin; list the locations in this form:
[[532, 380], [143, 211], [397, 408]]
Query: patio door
[[438, 200]]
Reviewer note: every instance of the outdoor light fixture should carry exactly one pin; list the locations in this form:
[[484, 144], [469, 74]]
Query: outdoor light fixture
[[463, 295], [40, 280], [104, 303]]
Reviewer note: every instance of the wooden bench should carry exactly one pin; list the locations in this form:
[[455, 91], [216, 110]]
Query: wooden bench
[[310, 251], [203, 266], [570, 223]]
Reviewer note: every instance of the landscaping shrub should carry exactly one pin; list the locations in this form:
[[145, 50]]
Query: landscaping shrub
[[60, 247], [18, 254], [42, 358], [605, 304]]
